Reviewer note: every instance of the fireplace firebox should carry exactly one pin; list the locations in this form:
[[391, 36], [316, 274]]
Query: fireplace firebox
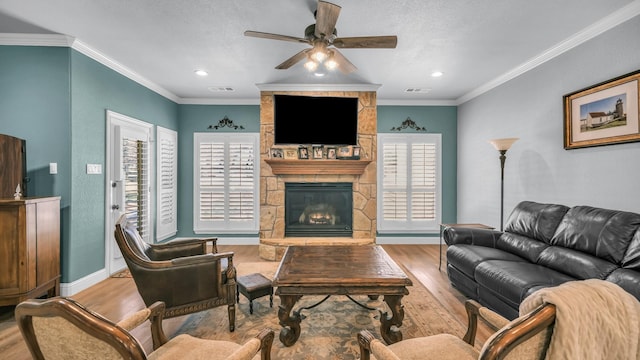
[[318, 209]]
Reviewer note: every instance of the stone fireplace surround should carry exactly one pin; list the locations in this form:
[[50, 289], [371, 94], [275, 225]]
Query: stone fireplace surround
[[275, 173]]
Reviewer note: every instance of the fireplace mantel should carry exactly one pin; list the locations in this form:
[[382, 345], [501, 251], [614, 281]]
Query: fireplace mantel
[[317, 167]]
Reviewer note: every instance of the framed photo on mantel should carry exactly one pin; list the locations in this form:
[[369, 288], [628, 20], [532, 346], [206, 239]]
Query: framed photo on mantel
[[603, 114]]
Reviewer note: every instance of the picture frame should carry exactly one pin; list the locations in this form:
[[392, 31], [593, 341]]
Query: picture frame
[[277, 153], [303, 152], [331, 153], [290, 153], [603, 114], [316, 151], [355, 153], [344, 152]]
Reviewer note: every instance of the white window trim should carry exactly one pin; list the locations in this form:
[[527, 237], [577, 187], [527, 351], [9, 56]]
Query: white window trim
[[409, 227], [166, 137], [211, 227]]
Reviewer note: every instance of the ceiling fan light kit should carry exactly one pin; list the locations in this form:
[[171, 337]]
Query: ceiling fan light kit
[[324, 41]]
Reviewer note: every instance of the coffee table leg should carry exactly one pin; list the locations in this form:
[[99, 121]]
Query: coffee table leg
[[290, 321], [397, 310]]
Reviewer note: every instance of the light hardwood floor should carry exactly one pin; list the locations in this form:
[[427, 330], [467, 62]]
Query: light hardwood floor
[[115, 298]]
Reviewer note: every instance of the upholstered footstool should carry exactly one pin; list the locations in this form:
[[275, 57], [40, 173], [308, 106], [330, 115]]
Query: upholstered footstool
[[253, 286]]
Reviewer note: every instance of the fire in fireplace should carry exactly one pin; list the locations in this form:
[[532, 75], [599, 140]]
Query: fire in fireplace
[[318, 209]]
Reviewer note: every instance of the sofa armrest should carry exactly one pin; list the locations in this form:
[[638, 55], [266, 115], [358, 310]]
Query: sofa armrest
[[470, 236]]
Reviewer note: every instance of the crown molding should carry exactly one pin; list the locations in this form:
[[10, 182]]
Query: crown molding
[[123, 70], [608, 22], [317, 87], [207, 101], [36, 39]]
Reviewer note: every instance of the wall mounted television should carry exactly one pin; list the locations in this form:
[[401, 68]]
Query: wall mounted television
[[322, 120]]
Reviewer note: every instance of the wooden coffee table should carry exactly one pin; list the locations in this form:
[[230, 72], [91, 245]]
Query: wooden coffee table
[[339, 270]]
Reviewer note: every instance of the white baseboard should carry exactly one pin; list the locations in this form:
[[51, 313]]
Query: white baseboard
[[233, 240], [422, 240], [72, 288]]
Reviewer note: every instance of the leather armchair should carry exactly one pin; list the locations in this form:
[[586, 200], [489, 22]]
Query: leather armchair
[[61, 328], [526, 337], [180, 273]]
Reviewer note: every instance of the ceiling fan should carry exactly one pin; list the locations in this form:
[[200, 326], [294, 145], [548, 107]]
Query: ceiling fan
[[324, 41]]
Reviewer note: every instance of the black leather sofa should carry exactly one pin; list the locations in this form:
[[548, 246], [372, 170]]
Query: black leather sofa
[[543, 245]]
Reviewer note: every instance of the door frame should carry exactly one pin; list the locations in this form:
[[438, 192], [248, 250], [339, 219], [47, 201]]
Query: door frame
[[115, 119]]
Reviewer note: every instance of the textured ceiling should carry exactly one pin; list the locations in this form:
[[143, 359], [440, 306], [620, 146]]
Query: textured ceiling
[[476, 43]]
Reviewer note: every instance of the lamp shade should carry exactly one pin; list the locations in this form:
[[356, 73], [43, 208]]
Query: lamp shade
[[502, 144]]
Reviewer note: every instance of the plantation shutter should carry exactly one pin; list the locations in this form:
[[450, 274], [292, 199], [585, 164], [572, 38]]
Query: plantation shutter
[[167, 187], [227, 182], [135, 162], [409, 182]]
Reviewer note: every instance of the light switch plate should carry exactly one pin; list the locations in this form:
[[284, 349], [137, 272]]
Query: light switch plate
[[53, 168], [93, 169]]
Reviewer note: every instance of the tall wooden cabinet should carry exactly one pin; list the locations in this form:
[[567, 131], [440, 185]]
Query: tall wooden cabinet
[[29, 249]]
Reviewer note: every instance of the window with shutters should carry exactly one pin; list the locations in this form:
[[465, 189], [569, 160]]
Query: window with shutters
[[226, 183], [409, 184], [167, 183]]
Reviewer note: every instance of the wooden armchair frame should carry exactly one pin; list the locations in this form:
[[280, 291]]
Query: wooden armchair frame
[[505, 341], [180, 273], [115, 335]]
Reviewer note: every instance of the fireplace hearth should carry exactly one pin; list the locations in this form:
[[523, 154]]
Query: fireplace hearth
[[318, 209]]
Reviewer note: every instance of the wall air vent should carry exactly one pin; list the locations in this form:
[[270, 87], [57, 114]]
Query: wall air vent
[[417, 90]]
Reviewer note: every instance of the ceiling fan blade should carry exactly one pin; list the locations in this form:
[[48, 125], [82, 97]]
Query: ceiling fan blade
[[373, 42], [264, 35], [293, 60], [344, 65], [326, 18]]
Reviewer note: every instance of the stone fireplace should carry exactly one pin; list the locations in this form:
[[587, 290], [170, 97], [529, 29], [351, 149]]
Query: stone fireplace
[[275, 174]]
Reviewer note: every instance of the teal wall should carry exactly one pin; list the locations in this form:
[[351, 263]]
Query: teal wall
[[437, 120], [197, 118], [56, 99], [35, 106], [94, 90]]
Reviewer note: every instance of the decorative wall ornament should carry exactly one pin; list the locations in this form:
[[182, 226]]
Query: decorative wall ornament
[[226, 122], [409, 124]]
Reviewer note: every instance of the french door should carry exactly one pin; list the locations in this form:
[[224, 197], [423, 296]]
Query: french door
[[128, 182]]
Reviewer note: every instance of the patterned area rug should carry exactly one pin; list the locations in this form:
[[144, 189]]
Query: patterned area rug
[[329, 330]]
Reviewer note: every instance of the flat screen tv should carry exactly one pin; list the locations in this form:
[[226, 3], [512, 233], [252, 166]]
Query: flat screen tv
[[319, 120]]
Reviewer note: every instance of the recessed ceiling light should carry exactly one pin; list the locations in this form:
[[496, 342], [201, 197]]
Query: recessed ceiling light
[[436, 74], [201, 73]]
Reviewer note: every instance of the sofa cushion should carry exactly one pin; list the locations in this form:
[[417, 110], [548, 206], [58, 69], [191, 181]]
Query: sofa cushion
[[522, 246], [575, 263], [535, 220], [600, 232], [513, 281], [465, 258]]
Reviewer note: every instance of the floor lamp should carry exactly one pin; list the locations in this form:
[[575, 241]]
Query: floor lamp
[[502, 145]]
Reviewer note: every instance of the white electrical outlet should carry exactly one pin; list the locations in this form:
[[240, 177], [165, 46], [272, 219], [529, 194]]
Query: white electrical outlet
[[53, 168], [93, 169]]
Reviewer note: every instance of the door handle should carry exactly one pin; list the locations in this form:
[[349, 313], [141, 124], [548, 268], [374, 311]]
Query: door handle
[[115, 207]]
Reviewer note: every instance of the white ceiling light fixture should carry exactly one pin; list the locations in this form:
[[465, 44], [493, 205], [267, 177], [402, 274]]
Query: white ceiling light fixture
[[200, 72], [437, 74]]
